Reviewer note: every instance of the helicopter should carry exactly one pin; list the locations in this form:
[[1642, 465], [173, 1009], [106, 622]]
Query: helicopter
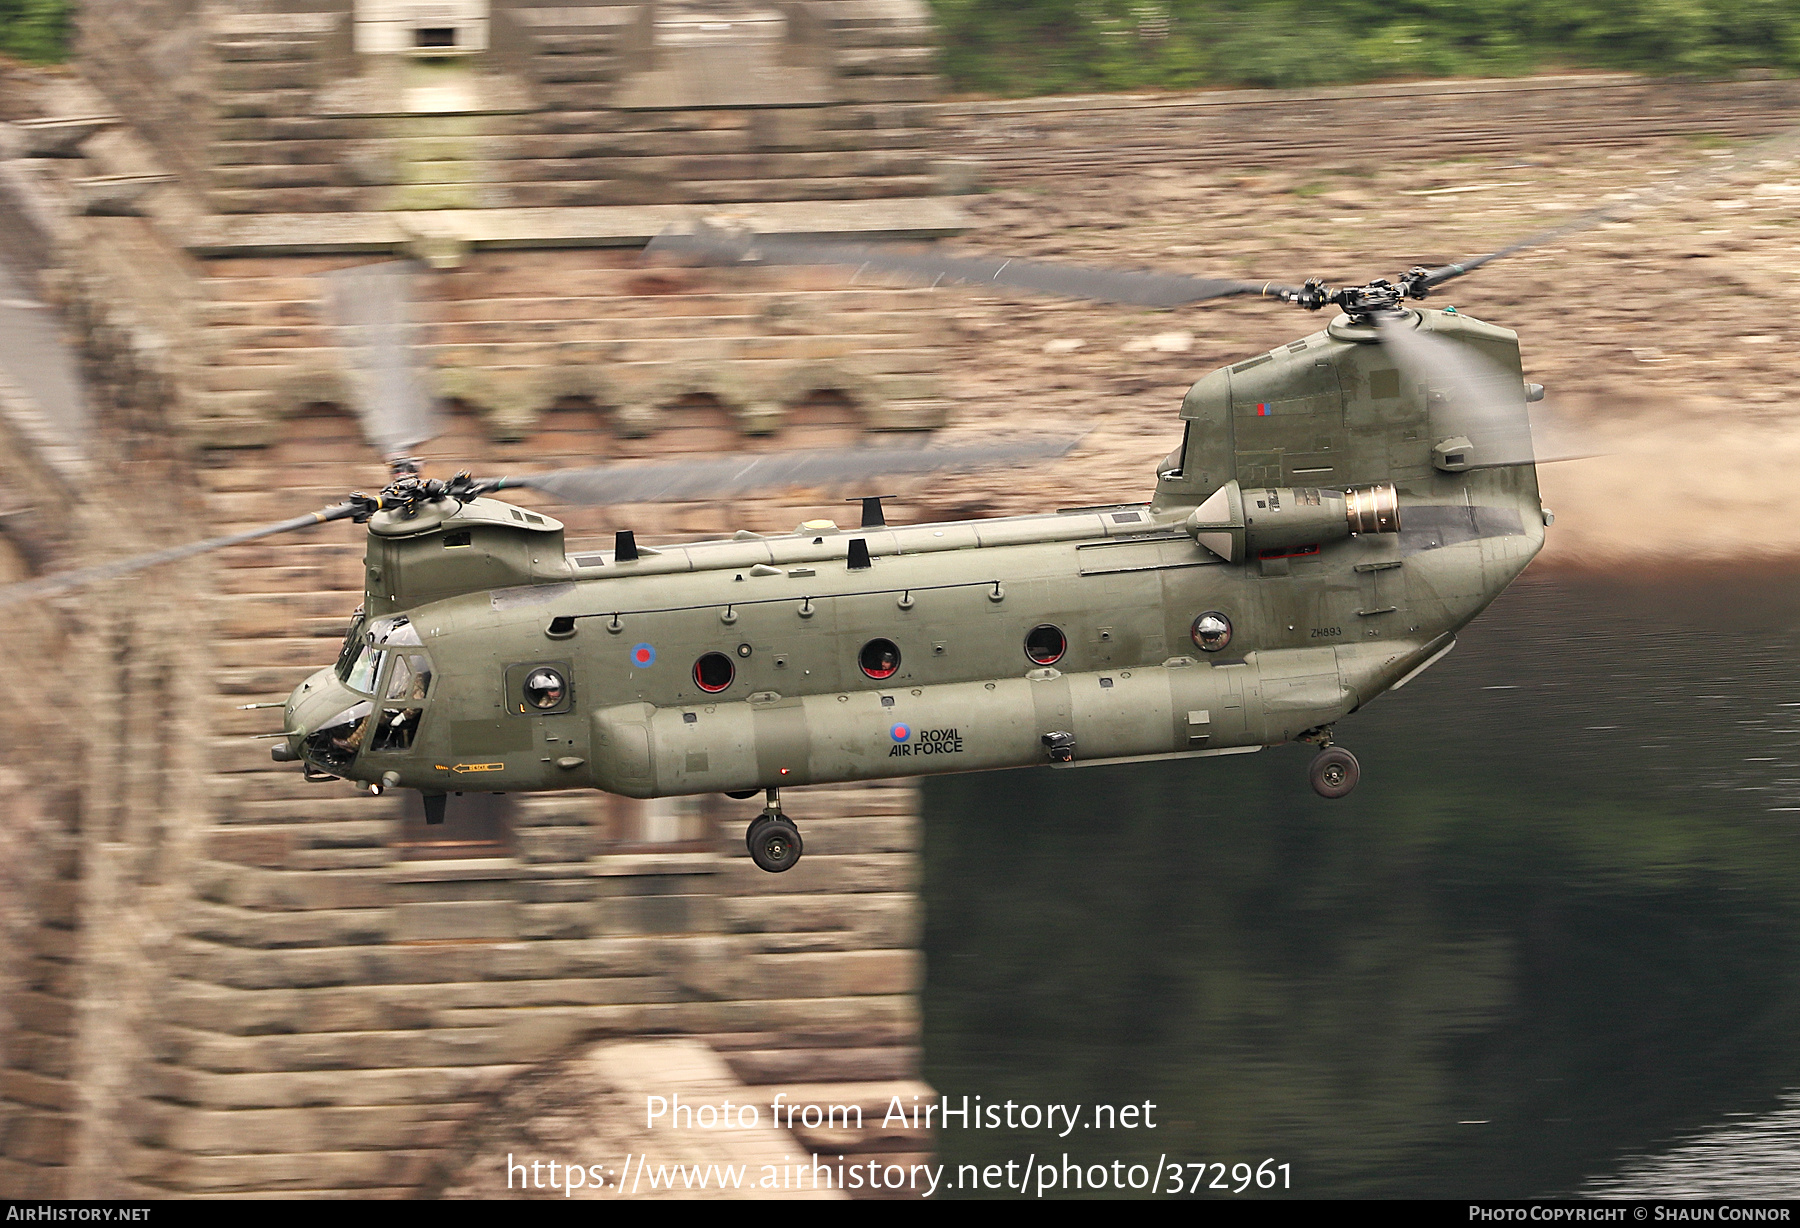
[[1339, 508]]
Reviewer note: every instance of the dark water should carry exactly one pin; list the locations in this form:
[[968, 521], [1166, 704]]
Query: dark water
[[1550, 944]]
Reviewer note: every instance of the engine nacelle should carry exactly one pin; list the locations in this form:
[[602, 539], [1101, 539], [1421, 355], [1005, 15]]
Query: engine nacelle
[[1237, 524]]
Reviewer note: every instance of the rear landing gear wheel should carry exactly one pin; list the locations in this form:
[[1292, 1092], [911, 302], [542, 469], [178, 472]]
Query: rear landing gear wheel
[[1334, 772], [775, 843]]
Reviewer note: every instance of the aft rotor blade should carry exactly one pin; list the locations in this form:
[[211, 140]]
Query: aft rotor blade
[[43, 586], [1784, 143], [1469, 396], [742, 475], [1141, 289]]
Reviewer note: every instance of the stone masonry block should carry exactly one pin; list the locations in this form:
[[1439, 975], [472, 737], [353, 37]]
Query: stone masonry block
[[576, 920], [261, 50], [837, 973], [39, 1138], [553, 844], [820, 913], [247, 1174], [37, 1051], [258, 76], [889, 89], [567, 43], [343, 1051], [291, 892], [557, 69], [811, 1015], [316, 928], [885, 61], [30, 1181], [423, 1085], [42, 1013], [38, 1090], [883, 872], [677, 914], [467, 919], [253, 1131]]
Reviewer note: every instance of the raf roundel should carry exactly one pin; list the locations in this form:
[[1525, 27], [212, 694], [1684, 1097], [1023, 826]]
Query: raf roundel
[[901, 732], [643, 656]]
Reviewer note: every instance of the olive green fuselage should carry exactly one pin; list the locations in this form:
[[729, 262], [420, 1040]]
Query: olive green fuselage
[[759, 662]]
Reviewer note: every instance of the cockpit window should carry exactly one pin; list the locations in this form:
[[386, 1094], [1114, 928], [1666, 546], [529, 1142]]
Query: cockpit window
[[364, 669], [352, 642], [1172, 464], [393, 633], [410, 677], [397, 728], [359, 666], [335, 743], [408, 682]]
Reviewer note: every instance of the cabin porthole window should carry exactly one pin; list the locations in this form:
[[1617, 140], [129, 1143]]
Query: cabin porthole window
[[1211, 631], [1046, 644], [879, 659], [714, 672], [545, 688]]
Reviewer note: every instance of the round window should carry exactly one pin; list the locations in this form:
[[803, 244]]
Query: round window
[[545, 688], [879, 659], [1046, 644], [714, 672], [1212, 631]]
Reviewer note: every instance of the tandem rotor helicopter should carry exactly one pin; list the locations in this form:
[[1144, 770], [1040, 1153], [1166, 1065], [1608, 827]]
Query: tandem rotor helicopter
[[1338, 509]]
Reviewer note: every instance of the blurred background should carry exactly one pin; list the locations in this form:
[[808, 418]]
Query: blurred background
[[1548, 945]]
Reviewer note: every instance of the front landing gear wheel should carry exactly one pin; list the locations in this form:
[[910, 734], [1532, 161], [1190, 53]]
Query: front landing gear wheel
[[1334, 772], [775, 843]]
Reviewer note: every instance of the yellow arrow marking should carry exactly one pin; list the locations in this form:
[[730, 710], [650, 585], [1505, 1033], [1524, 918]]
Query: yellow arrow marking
[[472, 767]]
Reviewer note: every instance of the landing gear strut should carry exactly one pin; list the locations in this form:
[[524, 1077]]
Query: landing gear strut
[[773, 840], [1334, 771]]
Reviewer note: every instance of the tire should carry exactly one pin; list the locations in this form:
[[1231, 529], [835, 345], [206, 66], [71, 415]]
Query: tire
[[1334, 772], [775, 845]]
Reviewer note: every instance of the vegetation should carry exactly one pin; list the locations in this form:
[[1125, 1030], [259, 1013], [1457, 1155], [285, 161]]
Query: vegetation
[[35, 30], [1052, 46]]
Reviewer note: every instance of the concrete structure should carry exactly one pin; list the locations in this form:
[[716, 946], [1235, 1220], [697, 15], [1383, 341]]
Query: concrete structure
[[222, 979]]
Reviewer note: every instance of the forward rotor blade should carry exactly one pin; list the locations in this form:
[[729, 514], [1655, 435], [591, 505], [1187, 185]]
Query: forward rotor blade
[[1468, 396], [738, 475], [371, 304], [1142, 289], [1672, 189], [43, 586]]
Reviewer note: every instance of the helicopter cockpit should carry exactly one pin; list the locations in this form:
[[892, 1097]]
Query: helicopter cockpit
[[389, 667]]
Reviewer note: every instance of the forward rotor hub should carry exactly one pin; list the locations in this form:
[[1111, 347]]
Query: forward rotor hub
[[409, 491], [1362, 303]]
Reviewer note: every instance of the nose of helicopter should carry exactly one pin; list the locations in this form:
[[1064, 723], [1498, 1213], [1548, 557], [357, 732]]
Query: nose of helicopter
[[322, 715]]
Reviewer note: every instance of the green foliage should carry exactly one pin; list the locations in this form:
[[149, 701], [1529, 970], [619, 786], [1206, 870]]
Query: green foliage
[[35, 29], [1046, 46]]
